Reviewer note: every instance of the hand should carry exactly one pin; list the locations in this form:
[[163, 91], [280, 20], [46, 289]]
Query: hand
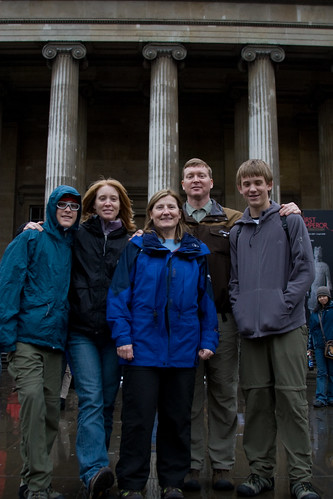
[[205, 354], [139, 232], [126, 352], [34, 226], [289, 208]]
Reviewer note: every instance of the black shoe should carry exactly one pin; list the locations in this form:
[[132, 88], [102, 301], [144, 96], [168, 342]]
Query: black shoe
[[172, 493], [130, 494], [254, 485], [23, 491], [303, 490], [100, 483], [222, 480], [317, 404], [191, 482]]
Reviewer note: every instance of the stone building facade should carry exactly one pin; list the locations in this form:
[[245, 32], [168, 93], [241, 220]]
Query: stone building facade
[[133, 89]]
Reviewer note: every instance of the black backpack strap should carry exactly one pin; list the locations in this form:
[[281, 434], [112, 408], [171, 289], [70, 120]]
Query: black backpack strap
[[285, 226]]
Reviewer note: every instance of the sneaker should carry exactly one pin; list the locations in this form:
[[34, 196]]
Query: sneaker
[[38, 494], [171, 493], [131, 494], [254, 485], [53, 494], [222, 480], [317, 404], [100, 483], [303, 490], [191, 482], [23, 490]]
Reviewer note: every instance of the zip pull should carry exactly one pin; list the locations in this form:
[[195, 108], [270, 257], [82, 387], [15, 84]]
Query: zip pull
[[105, 240]]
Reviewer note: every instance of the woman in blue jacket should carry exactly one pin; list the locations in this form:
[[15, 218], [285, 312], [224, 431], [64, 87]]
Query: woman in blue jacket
[[161, 312], [323, 313], [34, 282]]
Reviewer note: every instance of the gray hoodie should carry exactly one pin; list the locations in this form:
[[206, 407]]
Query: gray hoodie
[[270, 275]]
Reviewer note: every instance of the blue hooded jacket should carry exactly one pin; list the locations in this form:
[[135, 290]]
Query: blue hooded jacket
[[34, 279], [315, 335], [162, 303]]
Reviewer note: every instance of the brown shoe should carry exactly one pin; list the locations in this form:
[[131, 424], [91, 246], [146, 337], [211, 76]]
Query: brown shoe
[[191, 482], [100, 483], [222, 480]]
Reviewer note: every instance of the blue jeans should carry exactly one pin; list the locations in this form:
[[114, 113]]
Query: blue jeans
[[94, 364], [324, 388]]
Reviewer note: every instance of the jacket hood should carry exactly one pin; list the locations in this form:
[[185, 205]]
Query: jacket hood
[[51, 224], [246, 218], [149, 242]]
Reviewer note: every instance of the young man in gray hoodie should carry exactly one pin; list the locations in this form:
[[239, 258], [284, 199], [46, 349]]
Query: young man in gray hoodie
[[272, 268]]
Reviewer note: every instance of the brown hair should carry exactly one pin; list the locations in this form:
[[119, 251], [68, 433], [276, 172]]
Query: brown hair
[[197, 162], [125, 213], [149, 224], [254, 168]]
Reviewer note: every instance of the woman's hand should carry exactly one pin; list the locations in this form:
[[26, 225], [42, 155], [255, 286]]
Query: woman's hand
[[139, 232], [34, 226], [205, 354], [289, 208], [126, 352]]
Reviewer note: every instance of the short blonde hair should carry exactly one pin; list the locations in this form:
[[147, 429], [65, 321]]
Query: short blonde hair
[[254, 168], [125, 213], [197, 162], [149, 224]]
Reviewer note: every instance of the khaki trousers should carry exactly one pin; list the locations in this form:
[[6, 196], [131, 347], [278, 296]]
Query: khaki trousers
[[221, 373], [37, 374], [273, 380]]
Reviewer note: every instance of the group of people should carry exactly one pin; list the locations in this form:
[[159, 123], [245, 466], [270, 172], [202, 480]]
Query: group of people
[[160, 303]]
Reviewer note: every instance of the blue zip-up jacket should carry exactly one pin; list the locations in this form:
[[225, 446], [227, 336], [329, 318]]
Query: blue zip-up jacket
[[34, 280], [161, 302], [315, 334], [270, 274]]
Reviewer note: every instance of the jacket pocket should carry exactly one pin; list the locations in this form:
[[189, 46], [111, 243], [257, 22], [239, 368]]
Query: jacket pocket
[[261, 310]]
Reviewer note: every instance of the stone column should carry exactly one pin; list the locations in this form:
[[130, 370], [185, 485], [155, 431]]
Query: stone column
[[326, 153], [61, 163], [163, 169], [263, 131]]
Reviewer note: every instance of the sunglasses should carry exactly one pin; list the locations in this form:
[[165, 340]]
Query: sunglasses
[[62, 205]]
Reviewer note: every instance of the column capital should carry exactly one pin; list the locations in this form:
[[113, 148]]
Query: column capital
[[76, 49], [153, 50], [250, 52]]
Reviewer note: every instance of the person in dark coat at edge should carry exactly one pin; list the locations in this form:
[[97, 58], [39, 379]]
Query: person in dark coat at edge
[[322, 318]]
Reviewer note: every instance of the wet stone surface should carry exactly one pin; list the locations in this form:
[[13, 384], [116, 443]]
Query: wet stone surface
[[66, 476]]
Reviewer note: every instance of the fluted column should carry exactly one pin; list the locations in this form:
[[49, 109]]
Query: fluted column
[[163, 169], [61, 163], [263, 130], [326, 153]]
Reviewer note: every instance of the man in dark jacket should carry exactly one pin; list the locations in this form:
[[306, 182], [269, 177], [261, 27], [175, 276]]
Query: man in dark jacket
[[211, 224]]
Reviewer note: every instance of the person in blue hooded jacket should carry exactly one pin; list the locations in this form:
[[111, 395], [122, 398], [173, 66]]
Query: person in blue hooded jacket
[[161, 312], [320, 327], [34, 281]]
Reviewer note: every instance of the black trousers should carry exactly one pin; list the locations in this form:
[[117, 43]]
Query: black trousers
[[169, 392]]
